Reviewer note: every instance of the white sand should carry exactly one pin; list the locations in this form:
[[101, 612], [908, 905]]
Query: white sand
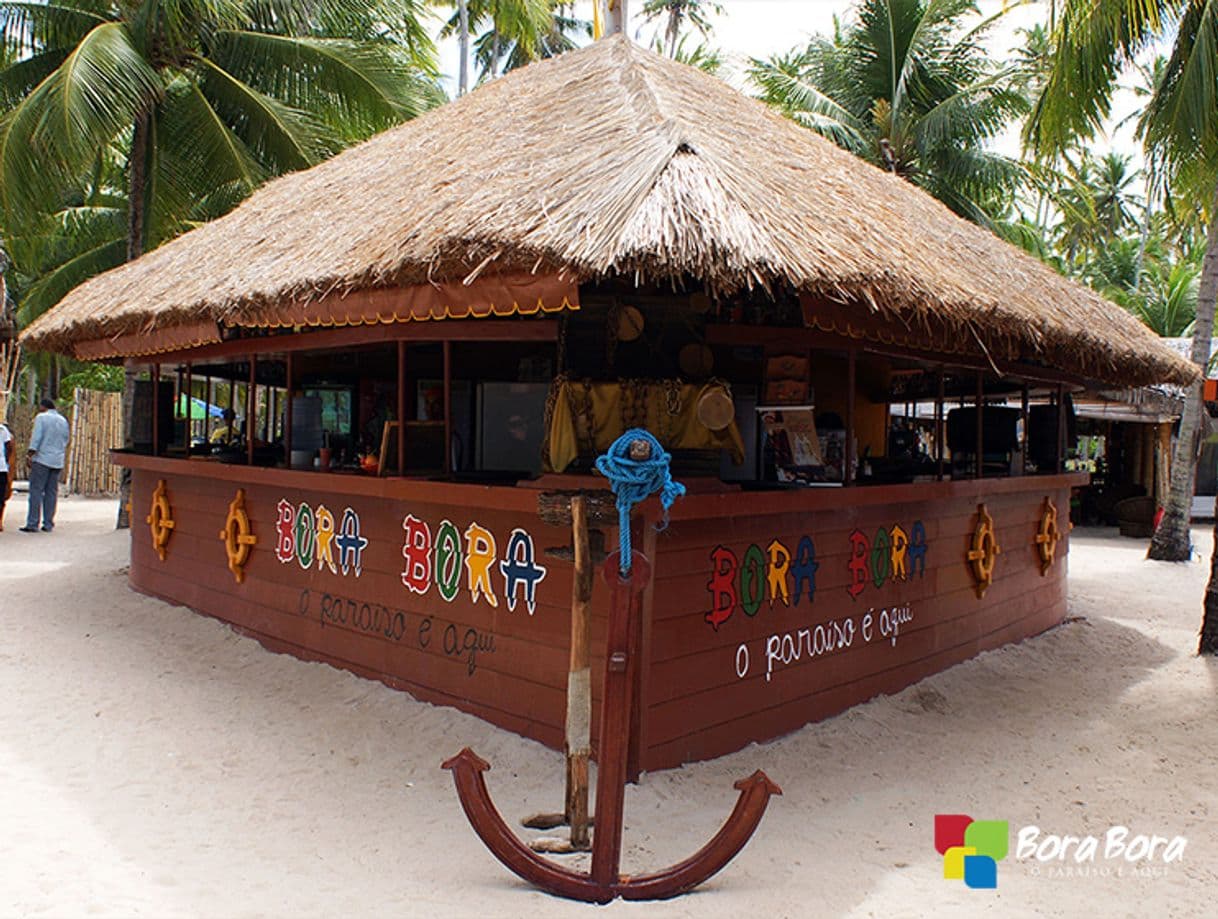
[[154, 763]]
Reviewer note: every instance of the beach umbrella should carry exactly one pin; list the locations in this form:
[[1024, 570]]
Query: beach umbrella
[[198, 408]]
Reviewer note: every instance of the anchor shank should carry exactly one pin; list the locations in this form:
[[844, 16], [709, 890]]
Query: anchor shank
[[621, 653]]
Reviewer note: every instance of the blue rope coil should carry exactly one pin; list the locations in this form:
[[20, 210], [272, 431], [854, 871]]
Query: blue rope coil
[[634, 481]]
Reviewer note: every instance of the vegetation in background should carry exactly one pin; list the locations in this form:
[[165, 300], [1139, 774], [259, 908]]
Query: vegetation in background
[[905, 85], [125, 124]]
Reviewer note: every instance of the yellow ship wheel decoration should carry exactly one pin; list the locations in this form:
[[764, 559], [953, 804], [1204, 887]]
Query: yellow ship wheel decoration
[[237, 537], [1047, 536], [160, 520], [983, 551]]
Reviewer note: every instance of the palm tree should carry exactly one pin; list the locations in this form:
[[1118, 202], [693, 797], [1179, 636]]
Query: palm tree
[[1093, 42], [516, 32], [206, 101], [1168, 304], [904, 87], [199, 100], [706, 58], [1096, 203], [675, 14]]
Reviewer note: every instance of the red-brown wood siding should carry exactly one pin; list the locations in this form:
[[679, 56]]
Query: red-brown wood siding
[[699, 707], [372, 624], [691, 702]]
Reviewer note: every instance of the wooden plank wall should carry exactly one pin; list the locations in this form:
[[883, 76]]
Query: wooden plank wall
[[506, 666], [713, 690]]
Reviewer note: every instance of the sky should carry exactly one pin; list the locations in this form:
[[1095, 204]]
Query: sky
[[759, 28]]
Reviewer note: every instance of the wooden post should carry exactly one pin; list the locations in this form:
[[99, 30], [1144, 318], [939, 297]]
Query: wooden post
[[448, 410], [401, 409], [579, 681], [939, 432], [177, 403], [1023, 416], [1061, 428], [1163, 465], [978, 466], [848, 453], [189, 403], [287, 419], [156, 409], [1149, 440], [251, 410], [207, 397]]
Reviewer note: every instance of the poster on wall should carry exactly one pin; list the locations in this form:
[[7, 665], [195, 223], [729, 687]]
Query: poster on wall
[[793, 451]]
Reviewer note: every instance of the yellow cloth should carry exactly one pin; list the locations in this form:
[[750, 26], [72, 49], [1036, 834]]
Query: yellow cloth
[[223, 435], [681, 431]]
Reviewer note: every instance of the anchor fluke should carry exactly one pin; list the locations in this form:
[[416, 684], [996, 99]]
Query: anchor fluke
[[758, 777], [755, 792], [467, 758]]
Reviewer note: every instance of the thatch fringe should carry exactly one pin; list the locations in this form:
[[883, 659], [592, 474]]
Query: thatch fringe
[[613, 161]]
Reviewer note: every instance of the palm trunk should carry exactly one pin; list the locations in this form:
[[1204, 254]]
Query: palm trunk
[[1171, 541], [1146, 215], [136, 204], [463, 46], [1207, 293]]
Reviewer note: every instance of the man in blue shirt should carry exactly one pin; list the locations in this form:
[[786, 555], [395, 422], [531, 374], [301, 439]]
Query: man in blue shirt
[[48, 449]]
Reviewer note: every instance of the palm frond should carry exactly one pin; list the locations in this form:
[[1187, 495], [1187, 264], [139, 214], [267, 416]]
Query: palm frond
[[357, 88], [282, 137], [79, 108], [1092, 42], [51, 287], [28, 28]]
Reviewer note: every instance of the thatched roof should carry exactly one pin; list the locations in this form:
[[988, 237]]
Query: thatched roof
[[613, 161]]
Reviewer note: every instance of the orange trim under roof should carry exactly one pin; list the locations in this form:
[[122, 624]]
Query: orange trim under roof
[[494, 296]]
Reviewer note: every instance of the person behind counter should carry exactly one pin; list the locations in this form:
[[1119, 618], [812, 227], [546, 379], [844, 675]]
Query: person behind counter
[[229, 432]]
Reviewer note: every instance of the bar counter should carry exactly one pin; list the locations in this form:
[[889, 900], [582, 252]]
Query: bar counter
[[768, 609]]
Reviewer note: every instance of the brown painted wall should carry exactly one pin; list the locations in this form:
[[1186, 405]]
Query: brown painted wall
[[510, 667], [707, 697]]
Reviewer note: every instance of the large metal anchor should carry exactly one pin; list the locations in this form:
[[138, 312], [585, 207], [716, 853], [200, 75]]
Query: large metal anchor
[[605, 881]]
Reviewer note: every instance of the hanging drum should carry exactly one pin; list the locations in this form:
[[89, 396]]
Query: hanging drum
[[715, 407], [629, 323]]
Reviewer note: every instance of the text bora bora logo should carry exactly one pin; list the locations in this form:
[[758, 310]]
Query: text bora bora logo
[[971, 849], [440, 561], [308, 536], [892, 553]]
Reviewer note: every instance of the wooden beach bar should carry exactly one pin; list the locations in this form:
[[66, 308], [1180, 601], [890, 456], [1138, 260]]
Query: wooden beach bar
[[420, 347]]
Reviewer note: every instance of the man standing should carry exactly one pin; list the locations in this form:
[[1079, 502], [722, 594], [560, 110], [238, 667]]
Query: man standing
[[48, 446]]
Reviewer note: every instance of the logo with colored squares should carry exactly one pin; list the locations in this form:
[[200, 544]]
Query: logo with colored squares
[[971, 849]]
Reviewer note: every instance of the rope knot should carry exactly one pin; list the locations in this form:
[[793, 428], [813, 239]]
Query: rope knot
[[636, 466]]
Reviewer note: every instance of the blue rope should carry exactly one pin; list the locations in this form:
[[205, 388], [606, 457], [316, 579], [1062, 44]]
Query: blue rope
[[634, 481]]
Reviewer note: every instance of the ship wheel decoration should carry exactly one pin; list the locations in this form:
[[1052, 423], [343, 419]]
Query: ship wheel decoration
[[237, 537], [1047, 536], [983, 551], [160, 520]]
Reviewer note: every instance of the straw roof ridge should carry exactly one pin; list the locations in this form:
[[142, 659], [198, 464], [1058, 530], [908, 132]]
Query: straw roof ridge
[[608, 161]]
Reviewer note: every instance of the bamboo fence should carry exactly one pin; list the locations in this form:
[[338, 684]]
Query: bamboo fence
[[96, 428], [20, 424]]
